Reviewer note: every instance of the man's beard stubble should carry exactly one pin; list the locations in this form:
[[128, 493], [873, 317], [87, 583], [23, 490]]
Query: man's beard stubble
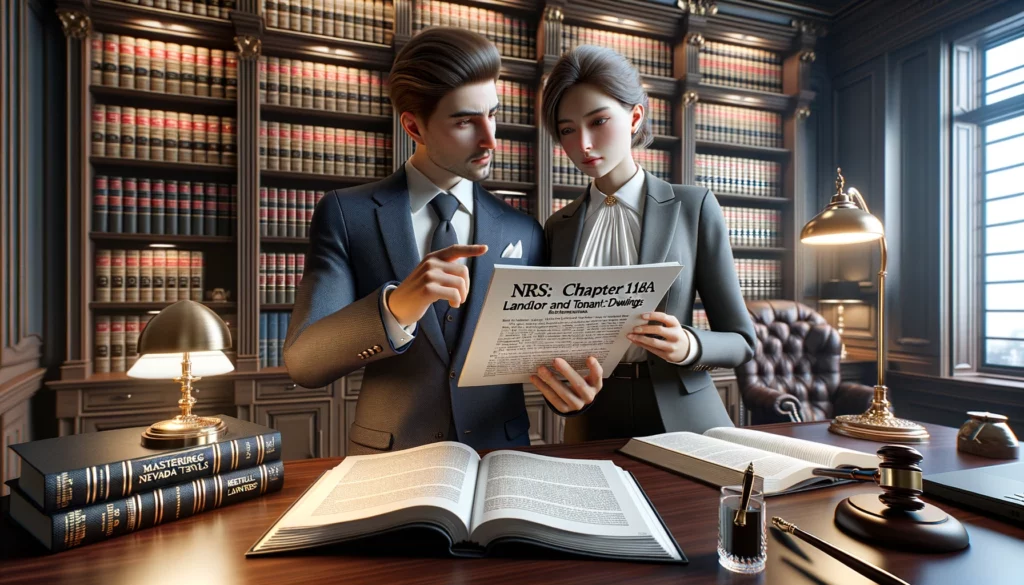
[[466, 169]]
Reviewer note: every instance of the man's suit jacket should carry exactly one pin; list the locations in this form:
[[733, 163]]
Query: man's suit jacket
[[361, 239], [680, 224]]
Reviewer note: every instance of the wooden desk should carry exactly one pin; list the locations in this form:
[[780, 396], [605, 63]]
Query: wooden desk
[[209, 548]]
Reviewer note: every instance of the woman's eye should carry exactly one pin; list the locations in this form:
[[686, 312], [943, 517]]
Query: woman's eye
[[600, 121], [565, 131]]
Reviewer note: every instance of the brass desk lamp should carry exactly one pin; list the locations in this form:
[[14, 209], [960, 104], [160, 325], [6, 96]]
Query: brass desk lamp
[[184, 342], [846, 220]]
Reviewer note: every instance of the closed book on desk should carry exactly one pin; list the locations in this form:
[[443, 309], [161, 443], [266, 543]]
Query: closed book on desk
[[78, 470], [720, 455], [575, 506], [72, 528]]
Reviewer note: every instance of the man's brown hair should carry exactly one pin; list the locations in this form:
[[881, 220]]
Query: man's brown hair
[[609, 72], [435, 62]]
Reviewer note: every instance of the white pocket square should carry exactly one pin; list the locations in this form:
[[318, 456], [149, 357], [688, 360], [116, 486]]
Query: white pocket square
[[513, 250]]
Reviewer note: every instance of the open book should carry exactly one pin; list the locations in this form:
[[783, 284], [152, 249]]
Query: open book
[[720, 455], [571, 505]]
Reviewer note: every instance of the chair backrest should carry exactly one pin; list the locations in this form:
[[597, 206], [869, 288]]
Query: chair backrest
[[796, 352]]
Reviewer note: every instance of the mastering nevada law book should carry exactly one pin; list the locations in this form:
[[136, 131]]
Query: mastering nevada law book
[[575, 506], [78, 470], [97, 522]]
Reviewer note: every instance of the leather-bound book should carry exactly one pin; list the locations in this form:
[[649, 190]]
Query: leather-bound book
[[79, 470]]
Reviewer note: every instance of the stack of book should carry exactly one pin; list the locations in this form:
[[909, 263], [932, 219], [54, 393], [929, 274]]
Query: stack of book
[[81, 489]]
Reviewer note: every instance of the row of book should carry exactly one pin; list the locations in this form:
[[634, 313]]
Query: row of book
[[700, 319], [558, 203], [287, 213], [324, 150], [649, 56], [660, 114], [513, 161], [279, 277], [87, 488], [273, 330], [742, 67], [656, 162], [117, 342], [150, 275], [519, 202], [359, 20], [735, 125], [137, 63], [513, 36], [517, 100], [321, 86], [564, 172], [753, 227], [211, 8], [140, 133], [760, 279], [157, 206], [739, 176]]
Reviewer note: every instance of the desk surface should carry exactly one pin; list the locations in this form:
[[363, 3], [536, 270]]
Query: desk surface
[[210, 547]]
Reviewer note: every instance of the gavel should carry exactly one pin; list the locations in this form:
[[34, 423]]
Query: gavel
[[899, 476]]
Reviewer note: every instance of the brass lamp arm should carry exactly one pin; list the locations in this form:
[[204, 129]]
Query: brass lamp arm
[[858, 198]]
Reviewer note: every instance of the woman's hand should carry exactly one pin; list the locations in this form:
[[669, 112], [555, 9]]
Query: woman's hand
[[674, 344], [576, 392]]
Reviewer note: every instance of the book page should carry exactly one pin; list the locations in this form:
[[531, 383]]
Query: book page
[[577, 495], [531, 315], [817, 453], [439, 474], [767, 465]]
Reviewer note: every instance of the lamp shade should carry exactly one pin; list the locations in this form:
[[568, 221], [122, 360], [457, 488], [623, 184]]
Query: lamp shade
[[185, 326], [842, 222], [840, 291]]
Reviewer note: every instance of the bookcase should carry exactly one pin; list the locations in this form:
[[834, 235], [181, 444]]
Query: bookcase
[[202, 133]]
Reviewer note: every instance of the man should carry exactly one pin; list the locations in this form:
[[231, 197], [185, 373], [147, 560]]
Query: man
[[388, 273]]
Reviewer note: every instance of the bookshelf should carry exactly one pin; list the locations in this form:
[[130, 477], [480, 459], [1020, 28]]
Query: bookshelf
[[728, 92]]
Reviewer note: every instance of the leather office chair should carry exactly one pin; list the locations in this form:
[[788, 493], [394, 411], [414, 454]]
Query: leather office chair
[[794, 374]]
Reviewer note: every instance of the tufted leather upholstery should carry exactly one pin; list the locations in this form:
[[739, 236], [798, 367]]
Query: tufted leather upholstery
[[794, 374]]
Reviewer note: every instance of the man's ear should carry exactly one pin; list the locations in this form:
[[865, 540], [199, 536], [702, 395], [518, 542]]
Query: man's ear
[[412, 126], [638, 118]]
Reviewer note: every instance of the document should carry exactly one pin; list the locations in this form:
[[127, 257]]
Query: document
[[532, 315], [721, 454]]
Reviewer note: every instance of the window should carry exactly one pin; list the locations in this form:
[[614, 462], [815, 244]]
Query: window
[[988, 168]]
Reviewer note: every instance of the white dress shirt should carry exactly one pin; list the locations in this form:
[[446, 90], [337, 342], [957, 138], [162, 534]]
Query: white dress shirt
[[424, 221], [611, 237]]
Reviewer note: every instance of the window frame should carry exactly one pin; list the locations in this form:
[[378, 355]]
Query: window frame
[[968, 117]]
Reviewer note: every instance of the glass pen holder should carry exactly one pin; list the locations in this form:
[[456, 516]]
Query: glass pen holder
[[741, 549]]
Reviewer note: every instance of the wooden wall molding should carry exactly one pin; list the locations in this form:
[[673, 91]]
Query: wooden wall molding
[[858, 146], [912, 206], [20, 388], [875, 27]]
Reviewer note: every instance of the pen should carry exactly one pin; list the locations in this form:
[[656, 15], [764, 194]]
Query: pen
[[863, 567], [740, 518]]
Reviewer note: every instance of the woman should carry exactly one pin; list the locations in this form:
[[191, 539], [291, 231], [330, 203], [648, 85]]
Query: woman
[[595, 107]]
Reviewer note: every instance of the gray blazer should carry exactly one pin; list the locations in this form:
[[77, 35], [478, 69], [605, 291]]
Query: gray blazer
[[682, 224], [362, 239]]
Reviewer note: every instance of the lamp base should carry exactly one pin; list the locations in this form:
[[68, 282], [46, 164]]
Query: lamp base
[[884, 429], [927, 530], [183, 432], [878, 423]]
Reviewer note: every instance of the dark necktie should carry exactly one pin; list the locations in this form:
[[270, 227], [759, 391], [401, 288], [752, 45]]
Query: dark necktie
[[444, 206]]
